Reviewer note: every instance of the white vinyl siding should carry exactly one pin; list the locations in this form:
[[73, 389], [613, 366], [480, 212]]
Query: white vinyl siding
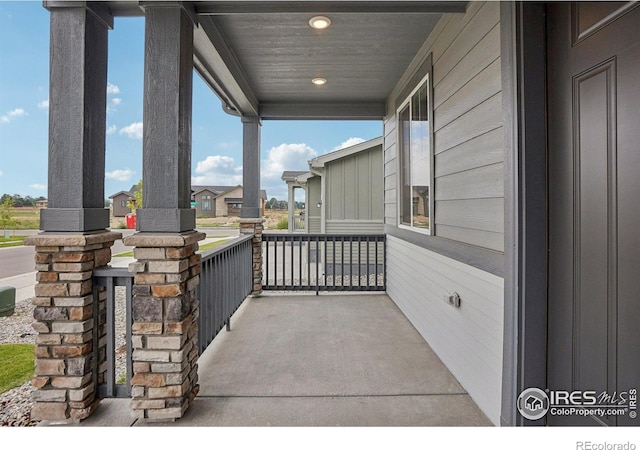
[[468, 339]]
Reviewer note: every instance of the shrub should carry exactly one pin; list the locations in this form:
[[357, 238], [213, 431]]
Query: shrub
[[283, 224]]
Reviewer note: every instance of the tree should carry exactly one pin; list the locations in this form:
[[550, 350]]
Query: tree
[[136, 202], [5, 213]]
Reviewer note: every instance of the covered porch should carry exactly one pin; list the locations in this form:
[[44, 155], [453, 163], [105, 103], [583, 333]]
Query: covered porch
[[370, 367]]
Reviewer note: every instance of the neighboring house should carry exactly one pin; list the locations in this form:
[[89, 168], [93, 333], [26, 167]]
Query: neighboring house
[[41, 203], [120, 199], [221, 201], [344, 191]]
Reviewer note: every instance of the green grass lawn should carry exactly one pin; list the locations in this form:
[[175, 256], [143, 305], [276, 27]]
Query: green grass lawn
[[211, 245], [11, 241], [16, 365], [208, 246]]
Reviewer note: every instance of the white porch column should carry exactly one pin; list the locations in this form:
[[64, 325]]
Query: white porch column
[[291, 205]]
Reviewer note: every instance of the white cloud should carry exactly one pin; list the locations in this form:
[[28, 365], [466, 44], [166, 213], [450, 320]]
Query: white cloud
[[116, 101], [8, 117], [112, 89], [44, 104], [112, 129], [134, 131], [40, 187], [286, 157], [348, 143], [120, 174], [217, 170]]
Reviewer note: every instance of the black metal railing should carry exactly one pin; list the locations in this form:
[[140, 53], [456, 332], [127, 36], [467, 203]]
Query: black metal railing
[[112, 278], [226, 280], [324, 262]]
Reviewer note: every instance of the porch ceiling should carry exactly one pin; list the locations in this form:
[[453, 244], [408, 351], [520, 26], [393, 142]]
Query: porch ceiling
[[260, 56]]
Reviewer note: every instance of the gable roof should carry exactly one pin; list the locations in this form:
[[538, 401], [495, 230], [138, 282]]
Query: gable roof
[[320, 161], [221, 190], [291, 175], [127, 193]]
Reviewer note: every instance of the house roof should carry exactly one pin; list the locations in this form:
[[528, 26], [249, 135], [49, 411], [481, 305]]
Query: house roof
[[291, 175], [221, 190], [127, 193], [259, 56], [215, 189], [320, 161]]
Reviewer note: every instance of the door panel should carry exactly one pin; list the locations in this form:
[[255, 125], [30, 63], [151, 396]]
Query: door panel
[[593, 52]]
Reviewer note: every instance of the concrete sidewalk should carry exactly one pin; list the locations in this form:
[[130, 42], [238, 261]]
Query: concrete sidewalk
[[328, 360]]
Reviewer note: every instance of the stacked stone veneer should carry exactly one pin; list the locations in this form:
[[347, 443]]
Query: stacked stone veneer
[[255, 227], [66, 370], [164, 330]]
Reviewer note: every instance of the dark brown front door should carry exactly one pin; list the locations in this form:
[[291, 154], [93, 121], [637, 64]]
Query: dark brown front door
[[593, 79]]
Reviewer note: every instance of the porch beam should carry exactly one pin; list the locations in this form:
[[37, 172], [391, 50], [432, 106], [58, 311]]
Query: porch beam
[[250, 168], [218, 66], [77, 118], [323, 110], [285, 7], [167, 120]]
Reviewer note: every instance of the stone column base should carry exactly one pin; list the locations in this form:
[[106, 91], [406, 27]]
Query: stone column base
[[165, 323], [255, 227], [65, 370]]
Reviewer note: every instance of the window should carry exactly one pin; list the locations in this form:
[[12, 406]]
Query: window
[[414, 144], [206, 203], [123, 203], [235, 205]]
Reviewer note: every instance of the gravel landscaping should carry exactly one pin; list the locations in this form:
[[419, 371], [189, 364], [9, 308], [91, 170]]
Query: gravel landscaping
[[15, 404]]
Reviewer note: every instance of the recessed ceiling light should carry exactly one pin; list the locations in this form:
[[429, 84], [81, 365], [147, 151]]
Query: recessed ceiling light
[[319, 22], [319, 81]]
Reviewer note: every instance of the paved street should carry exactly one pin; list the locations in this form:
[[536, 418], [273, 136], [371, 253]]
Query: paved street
[[20, 260]]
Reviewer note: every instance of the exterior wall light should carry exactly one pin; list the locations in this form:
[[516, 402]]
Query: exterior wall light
[[319, 81], [319, 22]]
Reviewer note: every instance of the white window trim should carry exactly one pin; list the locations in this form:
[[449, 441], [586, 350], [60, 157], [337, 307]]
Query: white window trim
[[399, 165]]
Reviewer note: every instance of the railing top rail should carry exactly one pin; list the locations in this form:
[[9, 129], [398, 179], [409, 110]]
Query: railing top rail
[[113, 272], [322, 235], [226, 246]]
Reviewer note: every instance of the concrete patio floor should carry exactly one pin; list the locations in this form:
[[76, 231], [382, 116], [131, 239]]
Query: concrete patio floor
[[328, 360]]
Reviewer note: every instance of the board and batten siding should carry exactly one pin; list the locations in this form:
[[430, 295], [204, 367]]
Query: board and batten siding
[[469, 203], [354, 193], [314, 214], [468, 339]]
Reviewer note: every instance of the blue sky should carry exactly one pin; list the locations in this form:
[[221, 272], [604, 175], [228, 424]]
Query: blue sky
[[217, 137]]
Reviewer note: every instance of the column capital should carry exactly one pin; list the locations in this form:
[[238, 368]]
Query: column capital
[[188, 8], [251, 119], [98, 9]]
